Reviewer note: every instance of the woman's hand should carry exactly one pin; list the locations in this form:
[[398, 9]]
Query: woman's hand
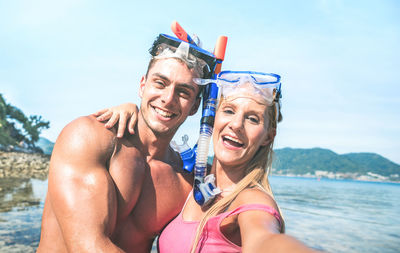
[[124, 113]]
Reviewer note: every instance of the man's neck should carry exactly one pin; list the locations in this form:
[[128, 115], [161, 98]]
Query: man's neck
[[154, 146]]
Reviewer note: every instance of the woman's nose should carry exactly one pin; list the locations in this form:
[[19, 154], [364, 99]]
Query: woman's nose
[[237, 122]]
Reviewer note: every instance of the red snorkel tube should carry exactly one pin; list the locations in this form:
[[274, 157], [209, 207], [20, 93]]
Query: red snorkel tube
[[204, 189], [181, 33]]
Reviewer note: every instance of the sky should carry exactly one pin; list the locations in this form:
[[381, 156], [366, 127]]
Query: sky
[[339, 61]]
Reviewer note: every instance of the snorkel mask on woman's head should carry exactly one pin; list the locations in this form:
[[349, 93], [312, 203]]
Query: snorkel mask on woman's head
[[195, 57], [265, 87]]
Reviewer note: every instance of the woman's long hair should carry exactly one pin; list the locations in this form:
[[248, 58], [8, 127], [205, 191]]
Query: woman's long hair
[[256, 174]]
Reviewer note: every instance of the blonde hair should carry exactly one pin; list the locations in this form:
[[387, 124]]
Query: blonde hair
[[255, 175]]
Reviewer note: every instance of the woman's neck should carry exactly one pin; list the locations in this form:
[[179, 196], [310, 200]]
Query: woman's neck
[[226, 176]]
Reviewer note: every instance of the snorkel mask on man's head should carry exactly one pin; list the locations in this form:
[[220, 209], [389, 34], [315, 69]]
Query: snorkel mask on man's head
[[193, 56]]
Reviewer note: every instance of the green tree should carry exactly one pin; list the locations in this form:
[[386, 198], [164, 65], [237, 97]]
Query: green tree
[[15, 127]]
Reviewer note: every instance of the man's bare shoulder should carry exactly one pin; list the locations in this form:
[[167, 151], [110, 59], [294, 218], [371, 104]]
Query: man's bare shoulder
[[84, 138], [88, 127]]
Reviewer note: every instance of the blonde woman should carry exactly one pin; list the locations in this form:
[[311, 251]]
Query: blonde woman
[[245, 216]]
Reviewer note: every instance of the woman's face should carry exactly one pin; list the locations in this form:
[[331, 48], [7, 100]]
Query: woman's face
[[240, 128]]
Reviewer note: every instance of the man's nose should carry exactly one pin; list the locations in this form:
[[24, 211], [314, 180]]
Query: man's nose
[[168, 95]]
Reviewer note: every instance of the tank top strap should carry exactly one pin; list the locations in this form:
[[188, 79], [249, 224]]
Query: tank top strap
[[252, 207], [187, 199]]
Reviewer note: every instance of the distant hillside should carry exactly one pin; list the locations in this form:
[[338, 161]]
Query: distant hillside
[[317, 162], [45, 145], [326, 163]]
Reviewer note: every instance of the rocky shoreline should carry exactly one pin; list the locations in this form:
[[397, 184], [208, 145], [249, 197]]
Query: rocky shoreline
[[24, 165]]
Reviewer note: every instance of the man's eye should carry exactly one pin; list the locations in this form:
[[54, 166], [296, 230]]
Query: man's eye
[[159, 83], [184, 93]]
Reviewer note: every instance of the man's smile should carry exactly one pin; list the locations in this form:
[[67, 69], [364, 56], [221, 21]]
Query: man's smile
[[163, 113]]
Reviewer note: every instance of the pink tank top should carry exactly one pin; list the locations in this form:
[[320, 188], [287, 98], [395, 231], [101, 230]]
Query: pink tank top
[[178, 235]]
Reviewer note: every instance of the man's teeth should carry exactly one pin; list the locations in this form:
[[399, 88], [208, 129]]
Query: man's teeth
[[163, 113], [233, 139]]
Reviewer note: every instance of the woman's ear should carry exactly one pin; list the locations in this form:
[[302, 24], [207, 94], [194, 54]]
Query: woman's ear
[[269, 138], [141, 87]]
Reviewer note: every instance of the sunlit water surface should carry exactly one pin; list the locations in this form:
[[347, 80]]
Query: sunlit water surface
[[331, 215]]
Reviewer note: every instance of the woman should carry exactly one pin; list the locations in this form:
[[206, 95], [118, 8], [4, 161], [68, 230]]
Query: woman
[[245, 216]]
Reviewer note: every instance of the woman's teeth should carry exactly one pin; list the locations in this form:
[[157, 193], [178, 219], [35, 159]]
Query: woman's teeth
[[233, 141]]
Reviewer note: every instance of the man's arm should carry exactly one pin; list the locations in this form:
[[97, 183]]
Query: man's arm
[[81, 191]]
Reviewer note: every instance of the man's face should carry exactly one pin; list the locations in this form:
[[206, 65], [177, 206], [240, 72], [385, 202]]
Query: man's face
[[168, 95]]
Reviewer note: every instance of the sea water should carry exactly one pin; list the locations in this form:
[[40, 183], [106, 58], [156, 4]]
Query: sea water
[[330, 215], [341, 215]]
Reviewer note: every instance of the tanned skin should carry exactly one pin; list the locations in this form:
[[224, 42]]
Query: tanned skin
[[109, 194]]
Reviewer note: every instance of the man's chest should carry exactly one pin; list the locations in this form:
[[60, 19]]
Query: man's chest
[[155, 207], [161, 199]]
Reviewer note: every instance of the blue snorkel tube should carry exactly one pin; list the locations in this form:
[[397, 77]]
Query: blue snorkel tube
[[204, 189]]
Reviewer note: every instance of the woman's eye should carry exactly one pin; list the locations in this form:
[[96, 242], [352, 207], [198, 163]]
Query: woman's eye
[[254, 119], [228, 111]]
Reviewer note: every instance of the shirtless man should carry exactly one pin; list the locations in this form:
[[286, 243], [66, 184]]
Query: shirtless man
[[109, 194]]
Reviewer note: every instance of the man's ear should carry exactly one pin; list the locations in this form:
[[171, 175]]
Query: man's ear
[[195, 106], [142, 84], [269, 138]]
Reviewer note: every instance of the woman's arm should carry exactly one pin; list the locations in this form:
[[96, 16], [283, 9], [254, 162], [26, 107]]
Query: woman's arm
[[123, 114], [260, 230], [260, 233]]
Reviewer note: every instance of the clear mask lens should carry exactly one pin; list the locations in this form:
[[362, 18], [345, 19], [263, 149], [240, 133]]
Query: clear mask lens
[[195, 57], [182, 52], [264, 85], [254, 77]]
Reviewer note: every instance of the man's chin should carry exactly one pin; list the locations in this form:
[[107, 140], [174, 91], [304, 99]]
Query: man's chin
[[162, 126], [163, 130]]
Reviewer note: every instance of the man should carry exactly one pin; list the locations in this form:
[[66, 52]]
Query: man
[[109, 194]]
